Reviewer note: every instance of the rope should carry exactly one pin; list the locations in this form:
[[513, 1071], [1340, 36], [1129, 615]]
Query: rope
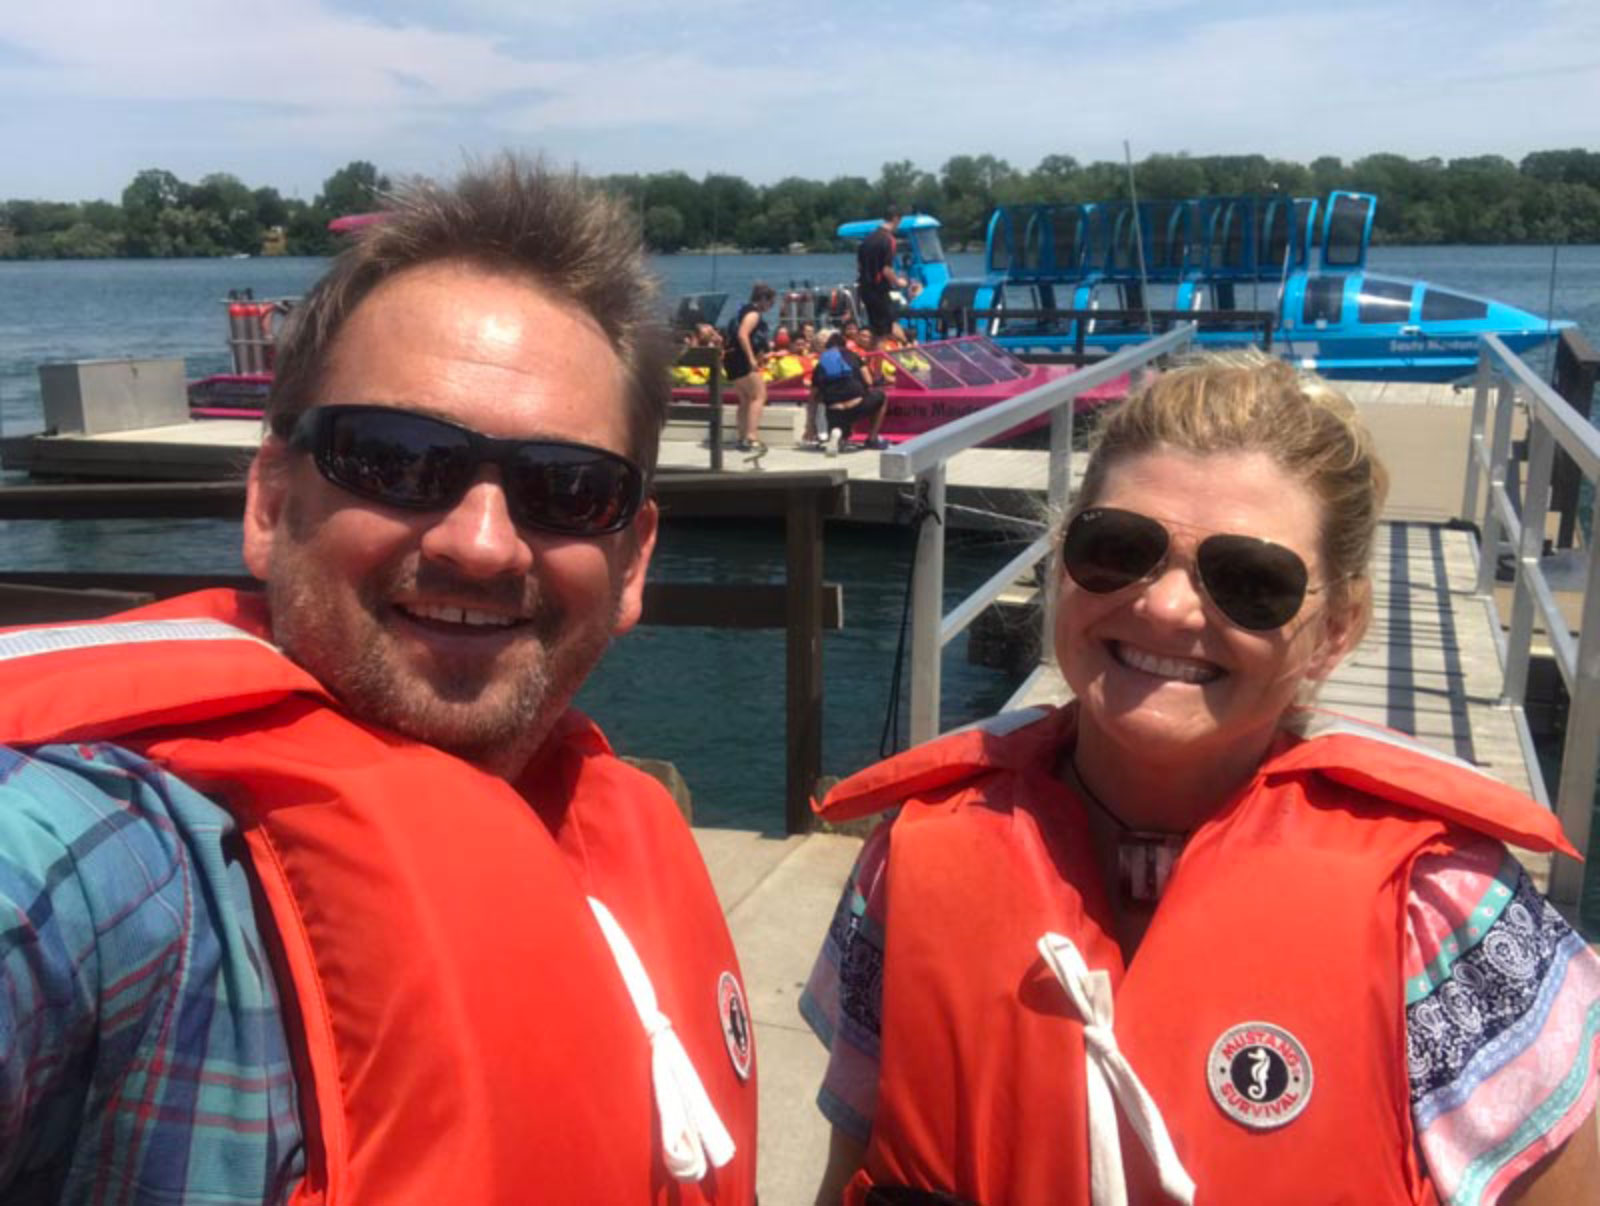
[[1112, 1082], [693, 1138]]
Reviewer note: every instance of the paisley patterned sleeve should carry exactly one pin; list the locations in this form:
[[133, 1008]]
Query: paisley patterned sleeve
[[1502, 1021], [842, 998]]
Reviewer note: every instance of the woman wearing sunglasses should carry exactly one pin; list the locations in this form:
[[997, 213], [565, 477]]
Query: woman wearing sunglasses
[[1184, 939]]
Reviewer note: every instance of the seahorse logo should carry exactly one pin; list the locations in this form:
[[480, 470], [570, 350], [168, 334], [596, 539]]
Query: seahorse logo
[[1259, 1075], [1260, 1067]]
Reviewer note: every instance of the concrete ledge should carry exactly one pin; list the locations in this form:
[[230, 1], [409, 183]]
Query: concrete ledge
[[779, 894]]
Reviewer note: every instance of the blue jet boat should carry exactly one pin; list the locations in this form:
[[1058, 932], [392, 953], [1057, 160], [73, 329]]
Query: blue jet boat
[[1095, 277]]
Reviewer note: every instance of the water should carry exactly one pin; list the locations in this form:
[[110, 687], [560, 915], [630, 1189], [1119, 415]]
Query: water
[[711, 701]]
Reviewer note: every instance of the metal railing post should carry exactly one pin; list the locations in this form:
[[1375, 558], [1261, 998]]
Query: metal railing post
[[1057, 498], [803, 655], [1580, 757], [716, 413], [1530, 546], [1499, 454], [1475, 451], [927, 606]]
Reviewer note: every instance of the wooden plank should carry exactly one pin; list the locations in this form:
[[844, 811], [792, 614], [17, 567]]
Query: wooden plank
[[803, 659], [735, 604], [124, 500], [666, 604], [28, 604]]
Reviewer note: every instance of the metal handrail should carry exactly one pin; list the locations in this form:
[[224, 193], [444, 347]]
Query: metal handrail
[[1551, 423], [925, 458]]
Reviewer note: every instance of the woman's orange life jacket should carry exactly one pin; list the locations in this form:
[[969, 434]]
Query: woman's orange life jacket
[[1286, 908], [462, 1033]]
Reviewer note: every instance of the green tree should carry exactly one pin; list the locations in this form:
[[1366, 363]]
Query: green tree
[[896, 182], [306, 230], [847, 199], [1054, 178], [150, 192], [226, 198], [1575, 166], [730, 202], [1170, 177], [1327, 174], [84, 241], [681, 192], [271, 209], [664, 228], [356, 188]]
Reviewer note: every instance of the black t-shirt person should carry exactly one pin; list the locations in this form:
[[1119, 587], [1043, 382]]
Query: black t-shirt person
[[875, 276]]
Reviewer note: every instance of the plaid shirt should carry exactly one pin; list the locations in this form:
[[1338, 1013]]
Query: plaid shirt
[[142, 1049]]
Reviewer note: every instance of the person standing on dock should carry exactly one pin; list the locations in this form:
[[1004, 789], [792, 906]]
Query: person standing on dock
[[876, 277], [743, 357], [329, 893], [1185, 939]]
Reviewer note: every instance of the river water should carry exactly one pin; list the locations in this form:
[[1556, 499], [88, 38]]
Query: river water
[[712, 701]]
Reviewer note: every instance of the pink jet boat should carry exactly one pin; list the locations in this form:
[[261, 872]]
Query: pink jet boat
[[929, 384]]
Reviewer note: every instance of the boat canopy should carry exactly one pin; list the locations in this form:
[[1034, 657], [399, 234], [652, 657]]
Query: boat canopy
[[861, 228], [1218, 238], [965, 363]]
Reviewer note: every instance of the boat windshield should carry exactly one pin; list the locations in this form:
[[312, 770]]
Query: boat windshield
[[958, 363], [927, 246]]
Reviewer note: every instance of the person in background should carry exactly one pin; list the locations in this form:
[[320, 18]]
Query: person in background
[[1186, 939], [840, 388], [876, 276], [328, 893], [745, 346], [806, 339], [814, 436]]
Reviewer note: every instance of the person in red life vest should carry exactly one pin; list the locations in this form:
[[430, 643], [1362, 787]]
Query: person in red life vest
[[805, 339], [1186, 939], [328, 895]]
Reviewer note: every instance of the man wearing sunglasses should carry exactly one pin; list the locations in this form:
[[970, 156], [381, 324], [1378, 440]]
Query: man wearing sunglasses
[[330, 893]]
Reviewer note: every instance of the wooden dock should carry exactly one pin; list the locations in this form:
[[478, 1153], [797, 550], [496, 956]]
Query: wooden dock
[[1413, 422]]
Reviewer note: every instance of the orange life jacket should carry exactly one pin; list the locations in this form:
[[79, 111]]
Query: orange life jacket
[[461, 1030], [1284, 916]]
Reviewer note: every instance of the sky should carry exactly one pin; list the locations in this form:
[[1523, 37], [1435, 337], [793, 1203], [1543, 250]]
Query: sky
[[286, 92]]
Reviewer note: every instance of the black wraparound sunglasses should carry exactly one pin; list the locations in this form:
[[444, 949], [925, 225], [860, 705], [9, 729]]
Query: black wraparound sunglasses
[[1256, 584], [402, 458]]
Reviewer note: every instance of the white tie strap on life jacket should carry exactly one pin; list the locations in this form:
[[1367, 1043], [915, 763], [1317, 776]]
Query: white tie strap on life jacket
[[693, 1138], [1112, 1082]]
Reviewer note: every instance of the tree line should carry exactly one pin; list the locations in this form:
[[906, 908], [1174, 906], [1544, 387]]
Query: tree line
[[1549, 197], [161, 216]]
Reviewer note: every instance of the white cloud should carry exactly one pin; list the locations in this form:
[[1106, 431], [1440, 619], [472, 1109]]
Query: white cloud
[[767, 91]]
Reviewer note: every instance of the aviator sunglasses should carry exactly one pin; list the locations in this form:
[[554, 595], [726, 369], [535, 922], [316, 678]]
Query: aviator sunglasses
[[420, 463], [1256, 584]]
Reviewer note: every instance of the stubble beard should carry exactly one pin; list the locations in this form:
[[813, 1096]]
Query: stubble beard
[[493, 715]]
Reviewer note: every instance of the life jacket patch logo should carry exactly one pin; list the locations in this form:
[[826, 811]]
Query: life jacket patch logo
[[1260, 1075], [737, 1032]]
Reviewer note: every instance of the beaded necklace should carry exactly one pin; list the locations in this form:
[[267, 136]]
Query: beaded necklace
[[1145, 857]]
